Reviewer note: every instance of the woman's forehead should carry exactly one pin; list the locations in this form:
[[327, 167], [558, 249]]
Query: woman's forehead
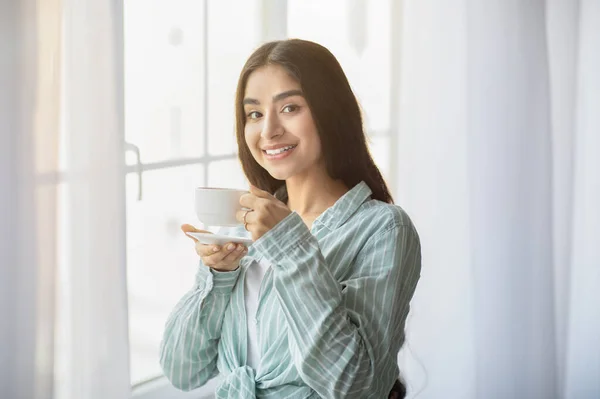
[[270, 80]]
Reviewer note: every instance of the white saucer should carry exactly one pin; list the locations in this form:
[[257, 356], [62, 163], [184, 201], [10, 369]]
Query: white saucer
[[217, 239]]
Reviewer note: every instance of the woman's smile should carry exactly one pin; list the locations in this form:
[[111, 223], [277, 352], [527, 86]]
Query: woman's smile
[[279, 153]]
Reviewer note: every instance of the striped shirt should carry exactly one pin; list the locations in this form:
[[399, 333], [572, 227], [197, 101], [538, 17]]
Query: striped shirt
[[331, 310]]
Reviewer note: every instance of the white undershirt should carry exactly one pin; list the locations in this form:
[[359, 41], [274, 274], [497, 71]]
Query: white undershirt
[[254, 276]]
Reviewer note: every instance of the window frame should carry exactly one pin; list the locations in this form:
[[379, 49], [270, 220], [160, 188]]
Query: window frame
[[161, 388]]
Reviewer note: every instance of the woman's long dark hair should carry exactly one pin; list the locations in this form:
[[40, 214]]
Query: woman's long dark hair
[[334, 109]]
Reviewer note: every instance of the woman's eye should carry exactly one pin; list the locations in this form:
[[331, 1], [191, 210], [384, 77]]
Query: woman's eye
[[253, 115], [289, 108]]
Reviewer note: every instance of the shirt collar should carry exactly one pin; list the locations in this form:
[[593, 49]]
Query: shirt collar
[[343, 208]]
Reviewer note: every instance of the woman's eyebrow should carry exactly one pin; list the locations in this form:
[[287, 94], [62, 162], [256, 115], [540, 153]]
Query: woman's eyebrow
[[286, 94], [276, 98]]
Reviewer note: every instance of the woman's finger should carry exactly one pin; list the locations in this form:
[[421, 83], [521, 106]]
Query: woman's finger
[[206, 249], [247, 200], [217, 257], [260, 193], [246, 214], [234, 255], [188, 228]]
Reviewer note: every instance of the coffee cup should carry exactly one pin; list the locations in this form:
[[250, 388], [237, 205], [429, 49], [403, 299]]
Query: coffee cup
[[218, 206]]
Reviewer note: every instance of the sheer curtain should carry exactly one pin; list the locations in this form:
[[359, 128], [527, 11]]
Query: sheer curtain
[[28, 147], [499, 164], [62, 285], [94, 286]]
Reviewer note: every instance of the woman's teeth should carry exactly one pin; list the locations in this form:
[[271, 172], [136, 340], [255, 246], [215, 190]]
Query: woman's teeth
[[279, 150]]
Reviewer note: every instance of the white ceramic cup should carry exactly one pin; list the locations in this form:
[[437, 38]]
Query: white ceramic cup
[[218, 206]]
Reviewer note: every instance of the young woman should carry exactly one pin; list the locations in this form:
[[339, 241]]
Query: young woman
[[316, 306]]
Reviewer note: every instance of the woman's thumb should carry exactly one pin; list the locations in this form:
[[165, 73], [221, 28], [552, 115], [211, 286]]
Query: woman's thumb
[[188, 228]]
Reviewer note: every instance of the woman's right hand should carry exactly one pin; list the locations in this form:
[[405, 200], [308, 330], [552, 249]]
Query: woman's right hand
[[223, 259]]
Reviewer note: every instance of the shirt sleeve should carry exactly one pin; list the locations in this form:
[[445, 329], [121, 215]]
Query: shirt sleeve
[[188, 351], [346, 335]]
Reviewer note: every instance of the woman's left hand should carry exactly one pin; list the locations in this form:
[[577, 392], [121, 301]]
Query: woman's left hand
[[265, 212]]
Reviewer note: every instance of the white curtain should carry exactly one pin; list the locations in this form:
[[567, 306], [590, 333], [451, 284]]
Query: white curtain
[[499, 165], [28, 125], [96, 323], [62, 280]]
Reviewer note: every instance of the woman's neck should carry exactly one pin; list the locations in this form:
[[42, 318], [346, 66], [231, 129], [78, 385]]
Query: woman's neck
[[311, 197]]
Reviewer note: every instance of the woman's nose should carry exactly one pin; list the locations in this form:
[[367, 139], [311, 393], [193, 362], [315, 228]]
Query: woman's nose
[[271, 127]]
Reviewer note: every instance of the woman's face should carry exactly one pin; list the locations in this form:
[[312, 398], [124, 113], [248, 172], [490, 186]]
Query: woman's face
[[279, 128]]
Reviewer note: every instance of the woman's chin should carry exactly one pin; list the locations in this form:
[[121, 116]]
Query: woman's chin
[[279, 175]]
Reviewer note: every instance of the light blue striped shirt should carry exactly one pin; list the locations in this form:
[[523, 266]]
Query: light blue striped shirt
[[331, 310]]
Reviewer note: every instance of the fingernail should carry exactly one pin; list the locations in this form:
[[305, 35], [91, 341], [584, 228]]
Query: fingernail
[[230, 247], [239, 248], [215, 249]]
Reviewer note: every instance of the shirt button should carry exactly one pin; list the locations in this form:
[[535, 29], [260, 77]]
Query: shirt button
[[255, 321]]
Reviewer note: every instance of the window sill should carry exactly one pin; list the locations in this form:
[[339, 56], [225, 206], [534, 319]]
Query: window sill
[[161, 388]]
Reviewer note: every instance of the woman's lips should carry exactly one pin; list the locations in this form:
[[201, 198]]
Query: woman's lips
[[277, 157]]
